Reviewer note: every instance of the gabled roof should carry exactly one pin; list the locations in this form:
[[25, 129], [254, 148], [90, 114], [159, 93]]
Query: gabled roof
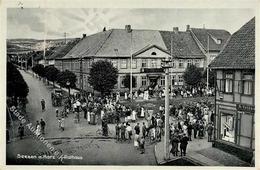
[[214, 34], [149, 47], [239, 53], [183, 45], [61, 51]]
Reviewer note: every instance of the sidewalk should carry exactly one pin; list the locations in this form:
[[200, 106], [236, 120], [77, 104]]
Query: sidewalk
[[199, 152]]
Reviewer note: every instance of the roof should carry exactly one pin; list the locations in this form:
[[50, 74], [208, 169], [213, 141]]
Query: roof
[[183, 45], [214, 34], [117, 43], [89, 45], [61, 51], [149, 47], [239, 52]]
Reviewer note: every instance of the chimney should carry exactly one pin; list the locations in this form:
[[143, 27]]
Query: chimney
[[187, 27], [175, 30], [84, 35], [128, 28]]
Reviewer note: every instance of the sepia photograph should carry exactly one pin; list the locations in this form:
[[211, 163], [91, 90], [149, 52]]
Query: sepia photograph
[[130, 86]]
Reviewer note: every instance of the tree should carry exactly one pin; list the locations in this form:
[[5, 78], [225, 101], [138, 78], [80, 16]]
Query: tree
[[16, 86], [66, 76], [51, 73], [192, 75], [103, 76], [126, 81], [39, 69], [212, 76]]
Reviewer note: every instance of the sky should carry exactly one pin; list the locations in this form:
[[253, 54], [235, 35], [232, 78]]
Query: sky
[[50, 23]]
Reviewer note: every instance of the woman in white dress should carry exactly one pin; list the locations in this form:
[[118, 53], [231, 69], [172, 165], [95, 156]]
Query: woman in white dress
[[38, 129], [136, 141], [142, 112]]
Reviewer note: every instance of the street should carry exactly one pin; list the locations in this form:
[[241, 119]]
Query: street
[[93, 151]]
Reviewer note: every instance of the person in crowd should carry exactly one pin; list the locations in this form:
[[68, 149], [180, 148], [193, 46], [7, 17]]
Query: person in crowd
[[144, 129], [142, 143], [123, 130], [195, 129], [210, 131], [137, 129], [190, 127], [184, 143], [117, 129], [43, 105], [201, 130], [129, 132], [38, 128], [62, 124], [57, 112], [175, 142], [42, 122], [21, 131]]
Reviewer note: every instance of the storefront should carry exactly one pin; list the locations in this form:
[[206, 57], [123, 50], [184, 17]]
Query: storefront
[[235, 130]]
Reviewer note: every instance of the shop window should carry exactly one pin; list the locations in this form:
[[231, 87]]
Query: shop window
[[123, 63], [144, 81], [228, 83], [248, 84], [227, 131]]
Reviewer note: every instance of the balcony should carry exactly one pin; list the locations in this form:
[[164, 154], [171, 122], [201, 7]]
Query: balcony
[[152, 70]]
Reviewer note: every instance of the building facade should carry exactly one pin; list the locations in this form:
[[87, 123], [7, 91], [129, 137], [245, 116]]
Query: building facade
[[147, 48], [235, 94]]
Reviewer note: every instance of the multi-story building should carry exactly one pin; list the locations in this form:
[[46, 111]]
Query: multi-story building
[[235, 96], [147, 48]]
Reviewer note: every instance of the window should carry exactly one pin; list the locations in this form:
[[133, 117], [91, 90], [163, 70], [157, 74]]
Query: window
[[227, 131], [197, 63], [123, 63], [248, 84], [153, 53], [180, 78], [189, 63], [162, 81], [144, 80], [173, 63], [144, 63], [229, 83], [181, 64], [153, 63], [134, 63], [121, 81], [90, 63], [114, 62], [173, 80]]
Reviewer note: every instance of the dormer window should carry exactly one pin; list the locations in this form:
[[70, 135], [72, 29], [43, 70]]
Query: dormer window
[[153, 53]]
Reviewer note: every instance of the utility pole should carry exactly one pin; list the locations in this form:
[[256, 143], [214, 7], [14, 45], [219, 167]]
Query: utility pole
[[131, 72], [166, 64], [207, 56], [81, 75]]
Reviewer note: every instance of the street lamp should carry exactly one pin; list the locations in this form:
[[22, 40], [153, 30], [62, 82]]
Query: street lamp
[[68, 85], [166, 64]]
